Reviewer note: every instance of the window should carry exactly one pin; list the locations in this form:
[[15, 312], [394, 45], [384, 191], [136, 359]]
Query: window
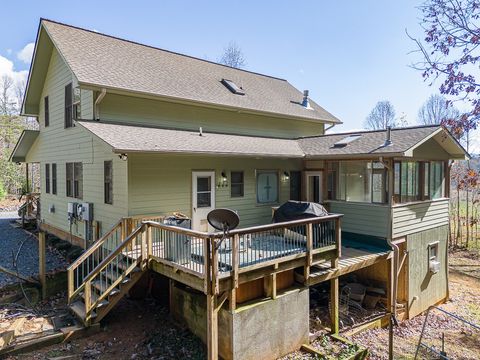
[[74, 180], [230, 85], [433, 251], [47, 111], [68, 106], [108, 182], [47, 178], [295, 185], [418, 180], [236, 184], [54, 179], [332, 180], [267, 187], [204, 191]]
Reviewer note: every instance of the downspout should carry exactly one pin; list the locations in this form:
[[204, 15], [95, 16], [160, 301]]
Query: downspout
[[328, 128], [97, 103]]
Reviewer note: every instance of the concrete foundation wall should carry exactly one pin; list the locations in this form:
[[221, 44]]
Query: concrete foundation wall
[[266, 329]]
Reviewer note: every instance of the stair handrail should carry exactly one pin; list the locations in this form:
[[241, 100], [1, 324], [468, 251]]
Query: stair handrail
[[83, 257], [105, 262]]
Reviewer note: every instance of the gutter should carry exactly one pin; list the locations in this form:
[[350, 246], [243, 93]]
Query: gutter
[[97, 103]]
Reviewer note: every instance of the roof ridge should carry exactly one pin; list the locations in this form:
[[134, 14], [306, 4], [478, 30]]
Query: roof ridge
[[159, 49], [373, 131]]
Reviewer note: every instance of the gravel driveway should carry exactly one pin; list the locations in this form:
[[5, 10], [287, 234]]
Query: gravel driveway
[[10, 241]]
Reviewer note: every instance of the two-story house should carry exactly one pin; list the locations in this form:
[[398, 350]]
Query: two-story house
[[130, 133]]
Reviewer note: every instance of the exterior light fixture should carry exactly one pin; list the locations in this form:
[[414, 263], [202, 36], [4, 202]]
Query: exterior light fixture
[[223, 180], [123, 157], [286, 176]]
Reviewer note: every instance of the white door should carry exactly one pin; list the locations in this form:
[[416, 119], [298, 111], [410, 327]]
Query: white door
[[313, 186], [203, 198]]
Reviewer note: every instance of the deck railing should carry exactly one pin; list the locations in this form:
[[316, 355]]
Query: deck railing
[[206, 255]]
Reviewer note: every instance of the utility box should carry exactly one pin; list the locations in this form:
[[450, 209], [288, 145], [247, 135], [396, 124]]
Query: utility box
[[178, 247], [71, 211], [85, 211]]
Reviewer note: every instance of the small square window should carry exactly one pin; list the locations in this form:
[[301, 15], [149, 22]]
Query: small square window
[[433, 251], [236, 184]]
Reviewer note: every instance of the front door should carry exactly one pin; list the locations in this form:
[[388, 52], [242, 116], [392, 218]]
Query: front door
[[313, 186], [203, 198]]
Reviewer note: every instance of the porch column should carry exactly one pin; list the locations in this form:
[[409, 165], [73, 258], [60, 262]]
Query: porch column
[[212, 328], [27, 178]]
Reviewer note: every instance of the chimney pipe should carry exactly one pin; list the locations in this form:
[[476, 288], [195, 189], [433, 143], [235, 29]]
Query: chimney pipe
[[388, 140], [306, 101]]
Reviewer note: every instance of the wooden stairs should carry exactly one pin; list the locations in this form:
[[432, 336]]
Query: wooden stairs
[[105, 273]]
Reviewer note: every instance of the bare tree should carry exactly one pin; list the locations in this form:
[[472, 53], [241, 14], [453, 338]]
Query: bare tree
[[233, 56], [381, 116], [6, 103], [436, 110]]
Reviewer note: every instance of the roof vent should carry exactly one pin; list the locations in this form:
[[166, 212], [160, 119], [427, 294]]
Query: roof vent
[[388, 139], [230, 85], [306, 100], [345, 141]]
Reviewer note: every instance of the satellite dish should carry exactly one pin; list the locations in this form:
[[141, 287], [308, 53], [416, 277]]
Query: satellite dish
[[223, 219]]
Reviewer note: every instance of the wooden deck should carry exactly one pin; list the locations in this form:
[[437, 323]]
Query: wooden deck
[[351, 259]]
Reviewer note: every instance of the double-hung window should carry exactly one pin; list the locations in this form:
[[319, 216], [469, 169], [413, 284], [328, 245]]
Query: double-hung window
[[74, 180], [108, 181]]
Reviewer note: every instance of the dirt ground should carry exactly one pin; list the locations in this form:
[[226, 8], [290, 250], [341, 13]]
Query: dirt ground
[[10, 203], [136, 329], [143, 329]]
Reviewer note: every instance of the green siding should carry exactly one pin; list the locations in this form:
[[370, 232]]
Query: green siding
[[58, 145], [428, 288], [412, 218], [367, 219], [163, 184], [140, 111]]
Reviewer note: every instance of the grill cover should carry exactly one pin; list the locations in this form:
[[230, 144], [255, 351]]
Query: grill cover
[[297, 210]]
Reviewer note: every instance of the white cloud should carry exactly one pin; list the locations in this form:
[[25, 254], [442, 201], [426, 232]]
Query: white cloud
[[19, 77], [26, 53]]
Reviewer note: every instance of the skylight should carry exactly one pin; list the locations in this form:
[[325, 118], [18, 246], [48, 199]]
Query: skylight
[[233, 87], [345, 141]]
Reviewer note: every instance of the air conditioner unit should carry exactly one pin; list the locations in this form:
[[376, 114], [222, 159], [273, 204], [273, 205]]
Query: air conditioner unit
[[434, 266], [85, 211]]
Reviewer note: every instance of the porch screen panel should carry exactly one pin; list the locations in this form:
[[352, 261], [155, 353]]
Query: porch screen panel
[[204, 190], [379, 186], [355, 179], [436, 179]]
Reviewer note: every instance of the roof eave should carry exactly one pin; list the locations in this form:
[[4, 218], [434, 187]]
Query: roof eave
[[208, 153]]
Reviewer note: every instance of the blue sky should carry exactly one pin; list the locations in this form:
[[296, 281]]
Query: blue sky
[[349, 54]]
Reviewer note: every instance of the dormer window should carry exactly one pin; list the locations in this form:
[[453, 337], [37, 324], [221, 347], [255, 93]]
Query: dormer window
[[230, 85]]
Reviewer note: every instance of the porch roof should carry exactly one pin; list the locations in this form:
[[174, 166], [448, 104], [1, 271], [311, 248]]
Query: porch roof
[[126, 138], [372, 143], [24, 143]]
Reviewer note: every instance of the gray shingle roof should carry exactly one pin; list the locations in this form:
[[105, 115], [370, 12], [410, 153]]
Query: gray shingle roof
[[369, 143], [106, 61], [129, 138], [125, 138]]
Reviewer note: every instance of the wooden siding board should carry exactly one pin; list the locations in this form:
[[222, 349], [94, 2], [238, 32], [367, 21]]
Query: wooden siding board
[[162, 184], [138, 111], [55, 144], [365, 218], [412, 218]]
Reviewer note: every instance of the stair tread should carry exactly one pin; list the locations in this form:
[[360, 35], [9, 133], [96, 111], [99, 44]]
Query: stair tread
[[122, 265], [94, 298], [112, 277], [78, 307], [102, 287]]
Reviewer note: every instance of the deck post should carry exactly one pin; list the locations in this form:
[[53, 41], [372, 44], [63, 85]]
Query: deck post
[[42, 263], [270, 285], [212, 327], [309, 245], [334, 300]]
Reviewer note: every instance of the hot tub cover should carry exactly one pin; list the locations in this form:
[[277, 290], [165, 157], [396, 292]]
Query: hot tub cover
[[297, 210]]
